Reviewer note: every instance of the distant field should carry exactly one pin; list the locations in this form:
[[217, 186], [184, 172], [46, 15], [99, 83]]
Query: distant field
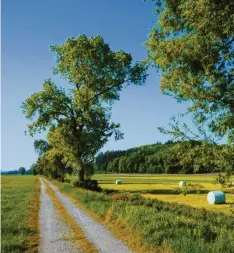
[[165, 188], [19, 210]]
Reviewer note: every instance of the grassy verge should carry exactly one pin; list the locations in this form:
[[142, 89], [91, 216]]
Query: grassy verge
[[160, 224], [19, 214]]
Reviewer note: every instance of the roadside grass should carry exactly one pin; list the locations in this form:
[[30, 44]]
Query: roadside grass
[[118, 227], [161, 225], [165, 188], [19, 214]]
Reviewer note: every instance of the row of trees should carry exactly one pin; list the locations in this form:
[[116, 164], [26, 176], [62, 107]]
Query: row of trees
[[193, 47], [181, 157], [21, 171]]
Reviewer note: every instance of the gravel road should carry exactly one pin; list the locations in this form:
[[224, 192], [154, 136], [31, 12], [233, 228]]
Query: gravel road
[[96, 233], [52, 229]]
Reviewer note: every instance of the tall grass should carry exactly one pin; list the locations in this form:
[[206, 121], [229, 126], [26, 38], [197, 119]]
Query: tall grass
[[182, 228], [19, 197]]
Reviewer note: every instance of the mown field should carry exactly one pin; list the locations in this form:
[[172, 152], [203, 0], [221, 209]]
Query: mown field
[[19, 213], [165, 187]]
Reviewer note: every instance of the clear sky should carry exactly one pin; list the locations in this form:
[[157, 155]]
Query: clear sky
[[29, 27]]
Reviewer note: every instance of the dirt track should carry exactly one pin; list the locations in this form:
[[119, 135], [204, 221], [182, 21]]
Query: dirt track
[[53, 230]]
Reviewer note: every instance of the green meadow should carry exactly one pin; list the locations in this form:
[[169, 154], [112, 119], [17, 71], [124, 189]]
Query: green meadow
[[18, 209]]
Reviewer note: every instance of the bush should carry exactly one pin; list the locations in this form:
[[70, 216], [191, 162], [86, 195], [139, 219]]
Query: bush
[[135, 199], [109, 191], [88, 184], [67, 180], [121, 196], [60, 178], [78, 183], [223, 179]]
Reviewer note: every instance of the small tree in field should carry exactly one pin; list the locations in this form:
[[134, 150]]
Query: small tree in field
[[78, 118], [22, 170]]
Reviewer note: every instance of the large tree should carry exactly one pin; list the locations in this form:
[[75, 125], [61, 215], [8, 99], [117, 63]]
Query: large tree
[[78, 117], [193, 46]]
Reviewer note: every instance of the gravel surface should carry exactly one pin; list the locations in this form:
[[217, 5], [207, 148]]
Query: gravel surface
[[94, 231], [52, 229]]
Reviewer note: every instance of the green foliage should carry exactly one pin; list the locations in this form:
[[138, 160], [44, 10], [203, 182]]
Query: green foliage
[[223, 179], [41, 146], [181, 228], [181, 157], [189, 188], [193, 45], [51, 166], [33, 169], [10, 172], [67, 180], [88, 184], [22, 170], [78, 118]]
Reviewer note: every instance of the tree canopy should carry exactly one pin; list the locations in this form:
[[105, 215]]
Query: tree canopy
[[22, 170], [193, 45], [78, 118]]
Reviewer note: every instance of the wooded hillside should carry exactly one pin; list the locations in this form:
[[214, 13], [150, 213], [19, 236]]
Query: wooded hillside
[[180, 157]]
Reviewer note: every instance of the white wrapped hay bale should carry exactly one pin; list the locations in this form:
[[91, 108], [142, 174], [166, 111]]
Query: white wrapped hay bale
[[216, 197], [182, 183], [118, 182]]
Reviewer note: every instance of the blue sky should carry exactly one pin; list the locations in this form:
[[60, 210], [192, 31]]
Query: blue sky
[[29, 27]]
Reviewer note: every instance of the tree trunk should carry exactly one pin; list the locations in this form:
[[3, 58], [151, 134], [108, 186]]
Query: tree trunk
[[81, 174]]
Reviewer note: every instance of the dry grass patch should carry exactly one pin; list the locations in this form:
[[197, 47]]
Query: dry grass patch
[[34, 207]]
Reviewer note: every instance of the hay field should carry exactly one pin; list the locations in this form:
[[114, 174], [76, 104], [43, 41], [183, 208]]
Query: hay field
[[166, 188], [19, 210]]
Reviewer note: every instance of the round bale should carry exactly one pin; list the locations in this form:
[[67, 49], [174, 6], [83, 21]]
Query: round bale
[[182, 183], [216, 197], [233, 183], [118, 182]]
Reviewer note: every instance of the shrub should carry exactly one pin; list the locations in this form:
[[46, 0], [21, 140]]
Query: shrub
[[223, 179], [190, 188], [120, 196], [88, 184], [109, 191], [135, 199], [78, 183], [60, 178], [67, 180]]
